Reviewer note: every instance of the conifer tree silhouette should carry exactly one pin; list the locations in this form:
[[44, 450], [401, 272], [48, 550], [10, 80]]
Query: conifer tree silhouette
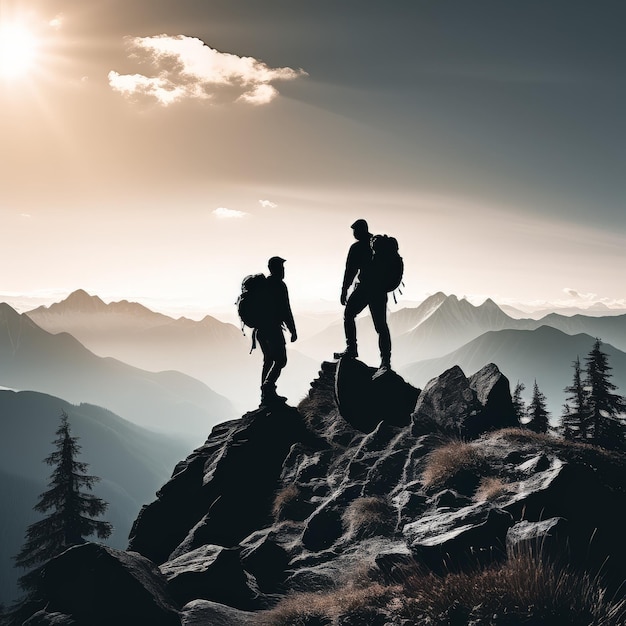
[[606, 409], [71, 509], [538, 412], [575, 417]]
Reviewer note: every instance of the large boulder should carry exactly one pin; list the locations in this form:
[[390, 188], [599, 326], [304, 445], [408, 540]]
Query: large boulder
[[465, 407], [364, 401], [99, 586]]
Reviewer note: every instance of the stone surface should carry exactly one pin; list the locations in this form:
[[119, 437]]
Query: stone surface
[[304, 500], [206, 613], [211, 573], [364, 402], [99, 586]]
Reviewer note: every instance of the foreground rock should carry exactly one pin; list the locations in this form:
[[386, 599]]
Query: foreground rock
[[289, 500]]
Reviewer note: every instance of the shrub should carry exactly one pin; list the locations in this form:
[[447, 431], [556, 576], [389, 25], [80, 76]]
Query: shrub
[[452, 464], [367, 517], [284, 501], [490, 488]]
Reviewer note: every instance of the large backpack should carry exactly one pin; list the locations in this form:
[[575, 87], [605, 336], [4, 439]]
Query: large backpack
[[387, 264], [253, 302]]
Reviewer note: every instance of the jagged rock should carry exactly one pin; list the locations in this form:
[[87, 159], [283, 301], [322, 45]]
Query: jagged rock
[[465, 407], [224, 490], [43, 618], [447, 540], [364, 402], [544, 538], [211, 573], [206, 613], [99, 586], [265, 559]]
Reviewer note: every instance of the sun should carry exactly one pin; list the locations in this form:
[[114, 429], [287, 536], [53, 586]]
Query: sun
[[19, 50]]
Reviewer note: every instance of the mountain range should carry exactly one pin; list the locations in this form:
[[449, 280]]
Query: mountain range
[[544, 355], [131, 461], [209, 350], [426, 339], [169, 401]]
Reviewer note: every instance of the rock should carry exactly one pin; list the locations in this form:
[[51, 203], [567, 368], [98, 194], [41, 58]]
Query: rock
[[465, 407], [206, 613], [99, 586], [211, 573], [224, 491], [364, 402], [42, 618], [265, 559], [544, 538], [451, 540], [493, 392]]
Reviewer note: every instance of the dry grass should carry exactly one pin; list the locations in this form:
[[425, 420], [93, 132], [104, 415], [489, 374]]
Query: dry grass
[[284, 501], [446, 462], [367, 517], [313, 609], [524, 590], [534, 590], [491, 488]]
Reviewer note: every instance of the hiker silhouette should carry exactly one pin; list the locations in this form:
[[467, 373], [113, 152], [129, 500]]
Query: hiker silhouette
[[368, 292], [269, 332]]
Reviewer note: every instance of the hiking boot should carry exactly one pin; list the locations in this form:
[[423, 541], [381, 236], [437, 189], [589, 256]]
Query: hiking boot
[[385, 367], [348, 353], [269, 396]]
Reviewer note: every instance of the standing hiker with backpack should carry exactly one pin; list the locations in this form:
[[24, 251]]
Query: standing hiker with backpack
[[264, 306], [375, 261]]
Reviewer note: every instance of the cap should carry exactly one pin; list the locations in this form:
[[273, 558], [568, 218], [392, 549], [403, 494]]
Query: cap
[[360, 224], [274, 261]]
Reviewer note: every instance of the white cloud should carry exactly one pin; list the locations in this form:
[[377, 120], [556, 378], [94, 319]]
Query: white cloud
[[224, 213], [267, 204], [26, 216], [185, 67], [586, 297]]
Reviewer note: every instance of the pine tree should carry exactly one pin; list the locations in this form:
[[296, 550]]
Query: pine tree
[[606, 409], [538, 412], [575, 417], [72, 510], [518, 402]]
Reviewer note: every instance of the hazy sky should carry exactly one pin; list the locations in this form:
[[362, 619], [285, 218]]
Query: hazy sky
[[160, 150]]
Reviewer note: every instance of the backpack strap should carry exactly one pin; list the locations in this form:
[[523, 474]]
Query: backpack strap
[[254, 332]]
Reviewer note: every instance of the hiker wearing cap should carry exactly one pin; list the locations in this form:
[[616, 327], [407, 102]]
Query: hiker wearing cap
[[269, 334], [367, 293]]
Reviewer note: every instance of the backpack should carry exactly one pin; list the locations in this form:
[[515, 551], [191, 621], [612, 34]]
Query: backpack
[[252, 304], [387, 264]]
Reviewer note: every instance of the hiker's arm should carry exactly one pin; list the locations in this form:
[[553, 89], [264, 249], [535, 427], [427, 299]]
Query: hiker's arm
[[289, 321], [350, 273]]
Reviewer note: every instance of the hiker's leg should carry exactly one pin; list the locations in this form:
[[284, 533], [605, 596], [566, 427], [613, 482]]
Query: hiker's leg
[[278, 352], [356, 303], [378, 309], [266, 349]]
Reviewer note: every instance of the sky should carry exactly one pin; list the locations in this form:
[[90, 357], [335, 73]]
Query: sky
[[161, 150]]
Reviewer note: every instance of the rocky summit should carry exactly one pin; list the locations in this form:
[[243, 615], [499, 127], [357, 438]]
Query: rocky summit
[[365, 478]]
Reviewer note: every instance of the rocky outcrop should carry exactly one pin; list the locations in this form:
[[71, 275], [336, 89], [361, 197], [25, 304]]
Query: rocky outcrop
[[97, 586], [286, 500]]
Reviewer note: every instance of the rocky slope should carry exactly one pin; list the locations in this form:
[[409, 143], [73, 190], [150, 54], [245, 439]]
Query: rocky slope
[[286, 500]]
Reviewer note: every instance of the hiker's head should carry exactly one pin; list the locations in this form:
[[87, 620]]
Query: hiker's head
[[360, 230], [276, 266]]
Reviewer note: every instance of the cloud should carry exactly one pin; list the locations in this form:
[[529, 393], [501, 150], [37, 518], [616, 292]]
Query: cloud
[[26, 216], [186, 68], [267, 204], [224, 213], [587, 297]]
